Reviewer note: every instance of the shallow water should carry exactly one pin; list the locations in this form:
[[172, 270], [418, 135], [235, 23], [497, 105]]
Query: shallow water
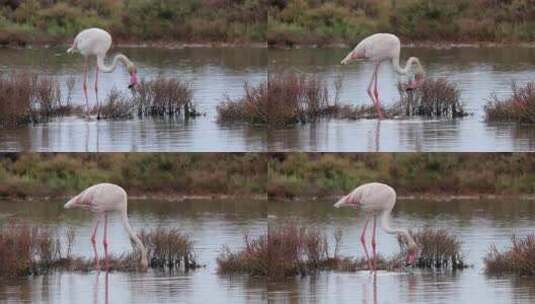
[[478, 224], [216, 72], [211, 224]]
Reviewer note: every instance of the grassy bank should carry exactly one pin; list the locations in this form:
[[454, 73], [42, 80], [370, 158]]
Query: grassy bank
[[58, 175], [40, 21], [337, 21], [326, 175]]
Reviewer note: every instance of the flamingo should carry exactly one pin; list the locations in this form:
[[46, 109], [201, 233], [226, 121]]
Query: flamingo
[[97, 42], [102, 199], [379, 48], [376, 199]]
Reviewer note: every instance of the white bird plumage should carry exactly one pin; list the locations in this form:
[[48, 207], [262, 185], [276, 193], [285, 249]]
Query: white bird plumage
[[377, 199], [97, 42], [102, 199], [379, 48]]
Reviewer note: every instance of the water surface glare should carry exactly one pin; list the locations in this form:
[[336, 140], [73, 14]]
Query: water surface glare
[[218, 72]]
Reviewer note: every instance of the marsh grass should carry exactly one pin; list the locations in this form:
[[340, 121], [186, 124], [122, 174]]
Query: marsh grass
[[519, 107], [289, 250], [288, 99], [438, 250], [116, 106], [518, 259], [164, 97], [26, 97], [27, 249], [435, 98], [169, 249]]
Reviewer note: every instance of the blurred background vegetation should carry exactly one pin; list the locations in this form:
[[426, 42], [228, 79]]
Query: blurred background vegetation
[[348, 21], [44, 174], [280, 175], [323, 175], [54, 21]]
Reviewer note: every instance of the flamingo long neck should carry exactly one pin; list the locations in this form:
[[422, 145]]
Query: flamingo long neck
[[385, 224], [108, 69], [135, 239], [408, 65]]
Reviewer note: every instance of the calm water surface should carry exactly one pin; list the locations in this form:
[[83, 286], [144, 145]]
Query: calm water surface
[[211, 224], [215, 72]]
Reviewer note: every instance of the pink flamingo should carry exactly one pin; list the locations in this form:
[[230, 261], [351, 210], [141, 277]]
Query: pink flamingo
[[379, 48], [377, 199], [97, 42], [102, 199]]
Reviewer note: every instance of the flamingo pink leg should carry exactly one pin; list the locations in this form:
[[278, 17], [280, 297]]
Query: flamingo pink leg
[[372, 89], [363, 242], [96, 93], [85, 86], [374, 244], [94, 242], [376, 93], [105, 242]]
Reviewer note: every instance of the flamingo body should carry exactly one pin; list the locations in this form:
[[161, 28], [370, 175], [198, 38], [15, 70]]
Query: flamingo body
[[103, 199], [377, 199], [97, 42], [379, 48], [92, 42]]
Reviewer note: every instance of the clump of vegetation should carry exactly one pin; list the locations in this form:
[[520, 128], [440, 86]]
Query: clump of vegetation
[[330, 22], [435, 98], [438, 249], [164, 97], [287, 99], [27, 249], [43, 21], [26, 97], [519, 107], [117, 107], [518, 259], [287, 250], [169, 249]]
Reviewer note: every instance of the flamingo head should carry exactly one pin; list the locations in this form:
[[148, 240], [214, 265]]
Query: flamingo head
[[132, 70], [347, 201], [417, 82], [412, 253], [353, 56]]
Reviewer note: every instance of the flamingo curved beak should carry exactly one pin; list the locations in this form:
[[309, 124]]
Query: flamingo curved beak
[[341, 202]]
